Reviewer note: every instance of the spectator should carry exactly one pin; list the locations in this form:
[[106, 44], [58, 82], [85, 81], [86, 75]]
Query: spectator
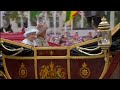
[[41, 36], [94, 16], [90, 36]]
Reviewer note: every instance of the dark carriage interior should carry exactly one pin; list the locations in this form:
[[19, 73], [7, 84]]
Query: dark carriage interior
[[116, 41], [25, 52]]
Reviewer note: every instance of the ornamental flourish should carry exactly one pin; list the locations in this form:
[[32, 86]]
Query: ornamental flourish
[[84, 71], [22, 71], [52, 71]]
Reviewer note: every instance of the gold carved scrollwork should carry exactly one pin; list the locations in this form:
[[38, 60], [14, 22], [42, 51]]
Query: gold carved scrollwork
[[52, 71]]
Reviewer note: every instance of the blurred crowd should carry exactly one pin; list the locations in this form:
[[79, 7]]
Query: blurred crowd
[[67, 38]]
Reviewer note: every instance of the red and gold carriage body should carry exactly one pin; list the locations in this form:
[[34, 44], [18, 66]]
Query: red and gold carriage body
[[59, 62]]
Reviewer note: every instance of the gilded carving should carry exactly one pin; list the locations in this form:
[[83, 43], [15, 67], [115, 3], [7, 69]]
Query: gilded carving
[[23, 71], [52, 71], [84, 71]]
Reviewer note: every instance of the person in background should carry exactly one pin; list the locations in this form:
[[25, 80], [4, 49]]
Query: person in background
[[90, 36], [30, 36], [94, 16], [41, 36]]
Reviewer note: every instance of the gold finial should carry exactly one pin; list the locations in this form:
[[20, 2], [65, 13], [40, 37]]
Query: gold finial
[[103, 19], [103, 25]]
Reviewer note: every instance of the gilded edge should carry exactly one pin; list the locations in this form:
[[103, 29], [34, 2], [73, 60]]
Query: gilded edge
[[3, 74], [114, 30], [35, 62], [84, 43], [106, 66], [5, 68], [68, 63]]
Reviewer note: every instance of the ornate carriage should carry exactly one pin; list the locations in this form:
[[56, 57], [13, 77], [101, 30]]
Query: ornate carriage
[[80, 61]]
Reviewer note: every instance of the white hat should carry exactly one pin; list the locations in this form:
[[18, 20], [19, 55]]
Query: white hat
[[29, 30]]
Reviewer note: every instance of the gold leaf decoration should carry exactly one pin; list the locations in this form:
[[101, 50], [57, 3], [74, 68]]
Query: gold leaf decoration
[[23, 71], [84, 71], [52, 71]]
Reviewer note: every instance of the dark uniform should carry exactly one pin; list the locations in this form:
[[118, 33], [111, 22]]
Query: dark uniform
[[95, 16]]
